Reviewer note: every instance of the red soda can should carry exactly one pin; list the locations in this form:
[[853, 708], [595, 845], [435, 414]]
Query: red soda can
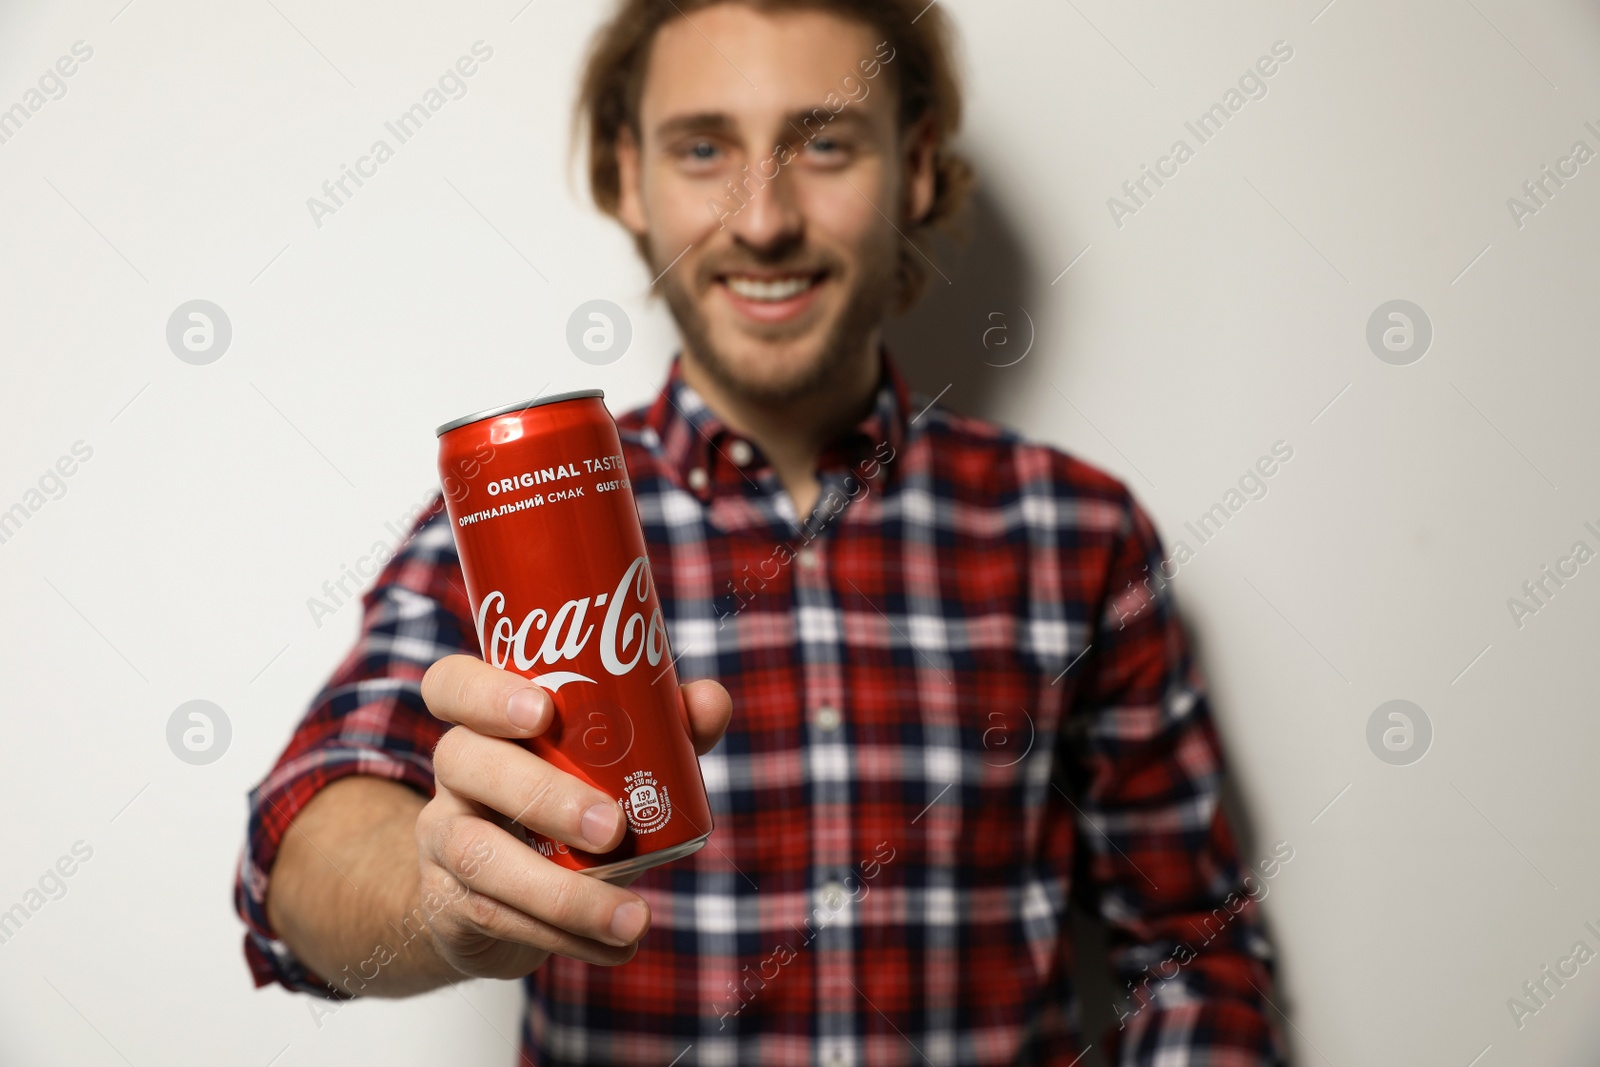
[[561, 591]]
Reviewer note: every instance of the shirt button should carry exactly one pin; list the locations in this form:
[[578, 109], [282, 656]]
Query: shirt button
[[826, 718], [835, 1059], [741, 453], [698, 479], [833, 896], [808, 558]]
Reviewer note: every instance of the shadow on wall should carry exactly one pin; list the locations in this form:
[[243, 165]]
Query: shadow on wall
[[972, 329], [981, 329]]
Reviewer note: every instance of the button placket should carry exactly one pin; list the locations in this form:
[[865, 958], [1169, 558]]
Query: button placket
[[829, 761]]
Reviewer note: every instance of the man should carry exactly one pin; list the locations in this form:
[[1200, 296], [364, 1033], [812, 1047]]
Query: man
[[949, 697]]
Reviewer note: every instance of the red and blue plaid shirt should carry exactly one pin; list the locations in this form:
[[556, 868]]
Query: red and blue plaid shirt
[[957, 700]]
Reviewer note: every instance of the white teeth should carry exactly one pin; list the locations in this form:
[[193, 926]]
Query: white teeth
[[778, 289]]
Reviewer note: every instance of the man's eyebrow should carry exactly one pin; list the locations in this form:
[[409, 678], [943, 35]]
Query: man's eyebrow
[[809, 123], [700, 122], [805, 122]]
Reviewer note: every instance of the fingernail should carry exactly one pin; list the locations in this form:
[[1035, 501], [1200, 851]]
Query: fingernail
[[600, 822], [627, 922], [525, 708]]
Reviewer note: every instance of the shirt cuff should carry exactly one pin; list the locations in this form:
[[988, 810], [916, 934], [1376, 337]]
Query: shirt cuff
[[273, 807]]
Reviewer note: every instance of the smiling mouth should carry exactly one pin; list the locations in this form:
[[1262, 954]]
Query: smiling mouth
[[771, 289]]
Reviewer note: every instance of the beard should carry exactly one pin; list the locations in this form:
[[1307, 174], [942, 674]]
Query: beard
[[801, 371]]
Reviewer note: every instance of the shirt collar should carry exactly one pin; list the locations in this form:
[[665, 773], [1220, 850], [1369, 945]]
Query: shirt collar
[[702, 455]]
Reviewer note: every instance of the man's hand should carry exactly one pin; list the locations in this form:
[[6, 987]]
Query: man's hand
[[505, 907]]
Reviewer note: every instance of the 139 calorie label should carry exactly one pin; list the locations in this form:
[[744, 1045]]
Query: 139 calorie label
[[648, 804]]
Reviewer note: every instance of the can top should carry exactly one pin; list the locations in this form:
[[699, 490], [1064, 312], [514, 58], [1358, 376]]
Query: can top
[[506, 409]]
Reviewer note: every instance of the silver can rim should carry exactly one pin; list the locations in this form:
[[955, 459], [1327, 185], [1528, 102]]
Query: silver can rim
[[644, 861], [507, 409]]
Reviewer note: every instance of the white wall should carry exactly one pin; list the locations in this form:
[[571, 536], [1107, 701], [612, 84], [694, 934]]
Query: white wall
[[1225, 315]]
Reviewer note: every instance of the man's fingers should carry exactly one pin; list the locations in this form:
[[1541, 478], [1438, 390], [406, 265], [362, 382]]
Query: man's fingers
[[498, 886], [465, 690], [515, 782], [709, 708], [504, 869]]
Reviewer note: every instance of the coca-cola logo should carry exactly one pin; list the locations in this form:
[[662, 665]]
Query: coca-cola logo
[[626, 636]]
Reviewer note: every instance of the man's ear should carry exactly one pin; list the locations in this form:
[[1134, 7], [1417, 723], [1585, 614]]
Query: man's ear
[[921, 172], [630, 206]]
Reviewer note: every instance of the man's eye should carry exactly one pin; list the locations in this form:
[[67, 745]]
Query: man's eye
[[700, 152], [830, 149]]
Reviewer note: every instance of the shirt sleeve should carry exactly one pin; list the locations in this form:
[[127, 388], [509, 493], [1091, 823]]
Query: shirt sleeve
[[1192, 967], [369, 719]]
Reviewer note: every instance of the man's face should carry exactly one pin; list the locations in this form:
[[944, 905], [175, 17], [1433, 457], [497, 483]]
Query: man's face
[[781, 280]]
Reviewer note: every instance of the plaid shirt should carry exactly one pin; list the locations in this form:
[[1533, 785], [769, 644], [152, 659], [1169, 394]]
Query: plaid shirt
[[957, 700]]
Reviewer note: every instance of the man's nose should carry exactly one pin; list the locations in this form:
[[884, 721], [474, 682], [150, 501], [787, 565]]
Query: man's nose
[[771, 219]]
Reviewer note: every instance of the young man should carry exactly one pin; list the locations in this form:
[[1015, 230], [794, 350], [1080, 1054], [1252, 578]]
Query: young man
[[948, 696]]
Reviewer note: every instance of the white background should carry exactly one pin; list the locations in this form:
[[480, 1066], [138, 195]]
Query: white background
[[1227, 314]]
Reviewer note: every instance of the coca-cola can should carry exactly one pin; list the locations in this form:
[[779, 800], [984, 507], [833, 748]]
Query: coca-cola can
[[561, 591]]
